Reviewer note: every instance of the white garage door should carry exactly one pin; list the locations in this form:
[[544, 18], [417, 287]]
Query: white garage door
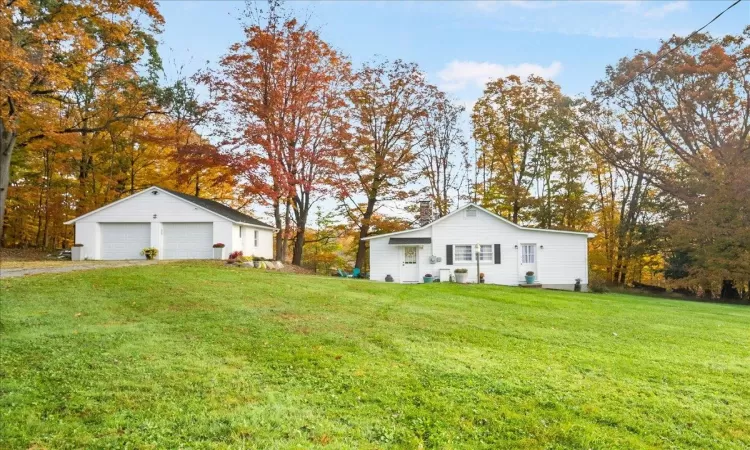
[[188, 240], [125, 240]]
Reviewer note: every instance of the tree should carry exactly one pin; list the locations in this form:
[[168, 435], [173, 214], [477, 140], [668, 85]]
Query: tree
[[389, 102], [284, 90], [696, 98], [47, 48], [510, 125], [624, 147], [443, 159]]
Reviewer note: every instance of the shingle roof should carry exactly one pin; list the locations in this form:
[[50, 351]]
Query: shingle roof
[[218, 208]]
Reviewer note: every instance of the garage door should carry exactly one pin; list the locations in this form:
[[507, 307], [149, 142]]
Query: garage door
[[125, 240], [188, 240]]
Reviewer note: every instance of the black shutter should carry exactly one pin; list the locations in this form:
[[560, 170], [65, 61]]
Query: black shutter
[[498, 258], [449, 255]]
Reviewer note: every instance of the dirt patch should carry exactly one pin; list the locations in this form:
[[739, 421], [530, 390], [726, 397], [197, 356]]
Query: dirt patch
[[288, 268], [68, 266], [20, 258]]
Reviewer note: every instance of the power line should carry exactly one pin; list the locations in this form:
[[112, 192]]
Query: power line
[[684, 41]]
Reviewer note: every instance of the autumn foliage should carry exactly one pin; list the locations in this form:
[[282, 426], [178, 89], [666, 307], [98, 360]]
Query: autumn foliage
[[655, 160]]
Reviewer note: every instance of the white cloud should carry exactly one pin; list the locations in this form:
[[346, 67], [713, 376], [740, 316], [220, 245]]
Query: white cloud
[[458, 75], [658, 12]]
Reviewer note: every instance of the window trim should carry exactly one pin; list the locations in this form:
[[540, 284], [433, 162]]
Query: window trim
[[473, 260]]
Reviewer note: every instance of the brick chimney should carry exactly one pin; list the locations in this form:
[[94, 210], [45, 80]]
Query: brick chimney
[[425, 212]]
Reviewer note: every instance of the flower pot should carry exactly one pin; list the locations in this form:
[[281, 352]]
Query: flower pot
[[530, 279], [149, 256], [427, 279], [462, 278], [388, 279], [218, 252]]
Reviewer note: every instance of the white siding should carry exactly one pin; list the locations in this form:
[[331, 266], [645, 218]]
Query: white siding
[[562, 259], [167, 208], [385, 259], [265, 242]]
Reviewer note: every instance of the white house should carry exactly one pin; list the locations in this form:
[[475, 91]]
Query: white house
[[507, 251], [180, 226]]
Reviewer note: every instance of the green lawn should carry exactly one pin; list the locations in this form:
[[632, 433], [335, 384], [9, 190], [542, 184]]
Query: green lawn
[[211, 356]]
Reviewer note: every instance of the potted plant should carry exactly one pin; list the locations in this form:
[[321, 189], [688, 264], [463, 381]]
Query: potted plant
[[150, 252], [529, 277], [76, 252], [427, 278], [577, 286], [462, 275], [388, 279], [481, 277], [219, 250]]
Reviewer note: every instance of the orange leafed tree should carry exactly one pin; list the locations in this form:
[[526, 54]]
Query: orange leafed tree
[[389, 102], [281, 95], [47, 48]]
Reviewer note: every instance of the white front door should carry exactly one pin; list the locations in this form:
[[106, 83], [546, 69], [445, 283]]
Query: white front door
[[409, 265], [124, 240], [188, 240], [528, 260]]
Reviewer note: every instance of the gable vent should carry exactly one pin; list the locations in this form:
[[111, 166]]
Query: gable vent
[[471, 212]]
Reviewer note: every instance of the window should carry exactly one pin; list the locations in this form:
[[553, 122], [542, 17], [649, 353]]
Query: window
[[466, 253], [255, 237], [410, 255], [240, 231], [485, 253], [462, 253], [528, 254]]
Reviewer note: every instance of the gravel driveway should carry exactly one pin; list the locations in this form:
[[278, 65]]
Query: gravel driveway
[[73, 266]]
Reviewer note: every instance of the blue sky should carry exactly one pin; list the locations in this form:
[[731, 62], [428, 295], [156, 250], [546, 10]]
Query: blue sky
[[460, 45]]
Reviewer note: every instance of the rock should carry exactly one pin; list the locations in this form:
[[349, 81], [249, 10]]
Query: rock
[[279, 265]]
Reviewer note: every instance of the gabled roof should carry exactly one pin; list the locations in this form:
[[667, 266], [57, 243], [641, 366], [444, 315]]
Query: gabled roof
[[502, 219], [211, 206], [219, 209]]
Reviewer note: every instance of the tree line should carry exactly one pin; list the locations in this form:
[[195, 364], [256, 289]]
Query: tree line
[[655, 160]]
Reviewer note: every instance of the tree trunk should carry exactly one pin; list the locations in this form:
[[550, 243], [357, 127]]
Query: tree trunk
[[301, 211], [280, 231], [299, 242], [364, 230], [7, 144], [285, 238]]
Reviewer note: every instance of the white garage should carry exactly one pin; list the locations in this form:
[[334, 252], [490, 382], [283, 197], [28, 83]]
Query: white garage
[[124, 240], [188, 240], [178, 225]]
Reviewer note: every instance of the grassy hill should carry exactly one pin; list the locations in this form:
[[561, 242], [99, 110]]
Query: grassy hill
[[210, 356]]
